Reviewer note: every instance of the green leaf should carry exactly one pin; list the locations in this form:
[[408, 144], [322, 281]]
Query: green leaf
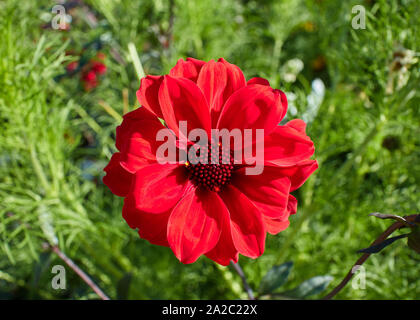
[[275, 277], [310, 287], [378, 247]]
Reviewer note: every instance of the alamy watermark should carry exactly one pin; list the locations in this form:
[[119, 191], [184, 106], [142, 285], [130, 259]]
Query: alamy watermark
[[359, 279], [59, 280], [195, 147], [61, 20], [359, 20]]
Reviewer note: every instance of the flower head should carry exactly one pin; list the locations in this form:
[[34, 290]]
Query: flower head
[[213, 208], [89, 80], [91, 71]]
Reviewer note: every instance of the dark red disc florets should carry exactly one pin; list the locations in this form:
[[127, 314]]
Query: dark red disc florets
[[214, 173]]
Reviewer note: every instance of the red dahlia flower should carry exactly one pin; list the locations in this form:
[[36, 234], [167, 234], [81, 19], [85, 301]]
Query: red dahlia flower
[[98, 67], [214, 209], [89, 80]]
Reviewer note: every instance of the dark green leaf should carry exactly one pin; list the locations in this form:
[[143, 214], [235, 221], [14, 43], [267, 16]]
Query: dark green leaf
[[309, 287], [275, 277], [378, 247]]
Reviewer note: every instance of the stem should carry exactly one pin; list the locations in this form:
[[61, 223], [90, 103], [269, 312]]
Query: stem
[[241, 273], [171, 21], [79, 272], [395, 226]]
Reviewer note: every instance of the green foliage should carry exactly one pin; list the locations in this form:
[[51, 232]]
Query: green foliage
[[275, 278], [55, 140], [309, 287]]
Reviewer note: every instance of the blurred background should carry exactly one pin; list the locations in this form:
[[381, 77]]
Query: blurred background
[[64, 91]]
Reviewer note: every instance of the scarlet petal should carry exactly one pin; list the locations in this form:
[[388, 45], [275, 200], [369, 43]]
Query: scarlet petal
[[147, 94], [140, 113], [235, 75], [275, 226], [248, 233], [157, 188], [181, 100], [258, 80], [286, 146], [218, 81], [117, 179], [299, 173], [136, 139], [152, 227], [268, 191], [195, 225], [292, 205], [224, 252], [212, 80], [235, 78], [297, 124], [187, 69], [129, 121], [253, 107]]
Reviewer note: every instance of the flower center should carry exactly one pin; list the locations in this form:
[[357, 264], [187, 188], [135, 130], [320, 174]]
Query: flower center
[[214, 173]]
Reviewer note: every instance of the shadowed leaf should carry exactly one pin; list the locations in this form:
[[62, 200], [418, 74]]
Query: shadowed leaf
[[275, 277], [309, 287], [378, 247]]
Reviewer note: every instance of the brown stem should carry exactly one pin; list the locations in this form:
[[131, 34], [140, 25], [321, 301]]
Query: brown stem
[[79, 272], [241, 273], [395, 226], [171, 19]]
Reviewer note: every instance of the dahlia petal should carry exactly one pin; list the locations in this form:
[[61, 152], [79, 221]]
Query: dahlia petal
[[157, 188], [187, 69], [297, 124], [139, 114], [253, 107], [181, 100], [248, 233], [268, 191], [224, 252], [258, 80], [274, 226], [286, 146], [136, 139], [130, 118], [292, 205], [236, 78], [195, 225], [147, 94], [299, 173], [212, 81], [117, 179], [141, 145], [218, 81], [151, 227]]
